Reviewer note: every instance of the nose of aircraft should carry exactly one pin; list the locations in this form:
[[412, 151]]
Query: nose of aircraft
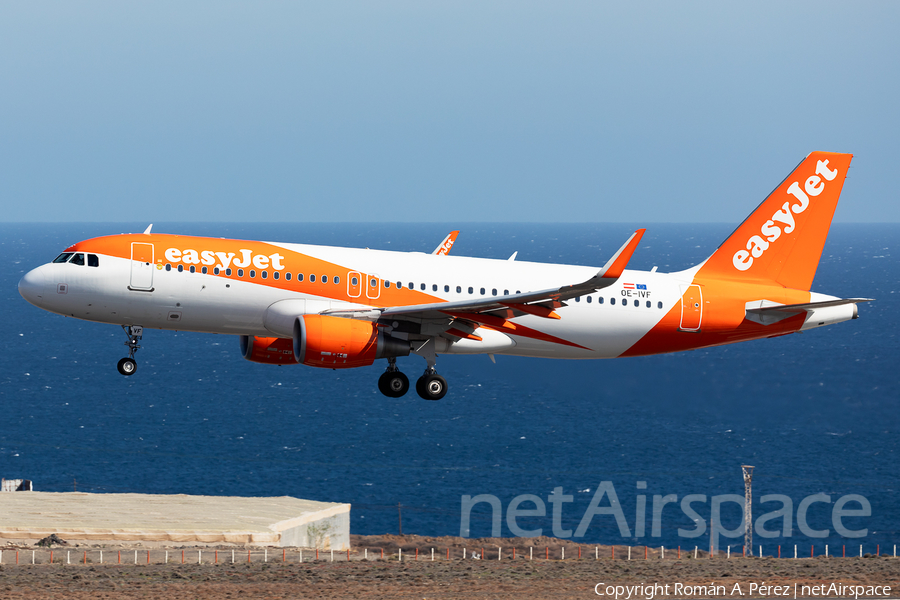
[[31, 286]]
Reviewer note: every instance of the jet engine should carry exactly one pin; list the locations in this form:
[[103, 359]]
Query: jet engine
[[338, 343], [268, 350]]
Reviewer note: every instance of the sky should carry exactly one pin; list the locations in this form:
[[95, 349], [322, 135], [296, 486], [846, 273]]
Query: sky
[[445, 112]]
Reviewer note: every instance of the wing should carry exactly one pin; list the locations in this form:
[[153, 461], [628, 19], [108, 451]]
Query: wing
[[444, 247], [495, 311]]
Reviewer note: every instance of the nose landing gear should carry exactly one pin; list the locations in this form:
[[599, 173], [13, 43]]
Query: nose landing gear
[[127, 366]]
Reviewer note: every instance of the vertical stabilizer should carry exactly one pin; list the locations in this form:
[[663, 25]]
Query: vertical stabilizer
[[782, 240]]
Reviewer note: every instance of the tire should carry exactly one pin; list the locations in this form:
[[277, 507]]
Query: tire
[[127, 366], [393, 384], [431, 387]]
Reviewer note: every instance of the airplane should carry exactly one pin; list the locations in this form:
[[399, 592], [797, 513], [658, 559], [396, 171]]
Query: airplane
[[339, 308]]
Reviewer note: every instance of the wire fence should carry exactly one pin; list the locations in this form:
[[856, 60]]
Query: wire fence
[[200, 556]]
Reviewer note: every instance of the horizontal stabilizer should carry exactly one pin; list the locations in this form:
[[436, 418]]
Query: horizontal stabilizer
[[766, 312]]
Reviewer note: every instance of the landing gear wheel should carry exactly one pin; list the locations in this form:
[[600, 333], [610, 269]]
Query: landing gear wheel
[[431, 386], [393, 384], [127, 366]]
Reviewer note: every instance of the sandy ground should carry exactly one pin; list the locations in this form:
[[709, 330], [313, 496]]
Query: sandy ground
[[411, 578]]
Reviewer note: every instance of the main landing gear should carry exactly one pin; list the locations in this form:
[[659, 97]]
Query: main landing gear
[[127, 366], [392, 382], [429, 386]]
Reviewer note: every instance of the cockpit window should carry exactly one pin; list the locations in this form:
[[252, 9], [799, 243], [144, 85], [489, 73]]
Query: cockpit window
[[93, 260], [78, 259], [64, 257]]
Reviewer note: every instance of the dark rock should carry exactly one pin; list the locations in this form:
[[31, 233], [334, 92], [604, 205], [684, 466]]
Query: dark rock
[[52, 539]]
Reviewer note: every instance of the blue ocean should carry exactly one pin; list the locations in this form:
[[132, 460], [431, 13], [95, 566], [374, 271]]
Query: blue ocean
[[814, 413]]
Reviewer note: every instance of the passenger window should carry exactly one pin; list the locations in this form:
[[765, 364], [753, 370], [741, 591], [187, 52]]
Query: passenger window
[[180, 268], [64, 257], [589, 299], [312, 278], [659, 305], [204, 270], [422, 286], [252, 273], [373, 283], [168, 267], [459, 289], [471, 290], [264, 274], [399, 285], [276, 275], [240, 271], [412, 285], [648, 304], [215, 270], [577, 298], [600, 300], [506, 292], [387, 283], [355, 281], [299, 276], [228, 272], [193, 269], [93, 260], [446, 288], [494, 292], [324, 278], [637, 303], [434, 287], [518, 292], [336, 279], [612, 300], [287, 276], [78, 259], [482, 291]]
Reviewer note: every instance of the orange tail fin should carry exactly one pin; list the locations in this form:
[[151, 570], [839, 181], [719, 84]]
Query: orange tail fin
[[782, 240]]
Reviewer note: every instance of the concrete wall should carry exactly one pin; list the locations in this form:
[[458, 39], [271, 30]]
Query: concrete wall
[[329, 533]]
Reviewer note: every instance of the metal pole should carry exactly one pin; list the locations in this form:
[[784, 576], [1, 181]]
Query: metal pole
[[747, 471]]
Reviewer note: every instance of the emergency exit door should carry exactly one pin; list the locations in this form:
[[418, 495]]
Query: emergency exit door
[[141, 266], [691, 308]]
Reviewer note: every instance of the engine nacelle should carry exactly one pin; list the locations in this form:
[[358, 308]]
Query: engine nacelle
[[268, 350], [338, 343]]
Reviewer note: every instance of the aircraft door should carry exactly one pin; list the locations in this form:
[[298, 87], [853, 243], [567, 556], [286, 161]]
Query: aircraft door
[[373, 287], [141, 266], [354, 284], [691, 308]]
